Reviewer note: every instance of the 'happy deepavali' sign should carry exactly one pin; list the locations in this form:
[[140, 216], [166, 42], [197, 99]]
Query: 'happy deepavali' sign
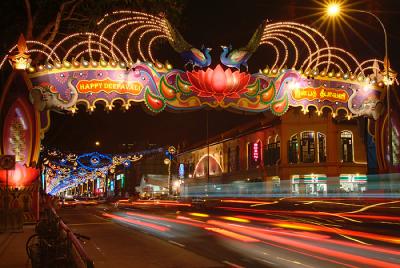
[[108, 85]]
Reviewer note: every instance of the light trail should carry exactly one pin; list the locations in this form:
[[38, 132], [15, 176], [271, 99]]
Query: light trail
[[194, 224], [305, 246], [372, 236], [233, 235], [137, 222], [319, 213]]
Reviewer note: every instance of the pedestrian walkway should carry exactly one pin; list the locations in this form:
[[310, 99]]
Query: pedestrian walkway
[[12, 248]]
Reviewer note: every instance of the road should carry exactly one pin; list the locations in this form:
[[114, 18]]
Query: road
[[241, 233]]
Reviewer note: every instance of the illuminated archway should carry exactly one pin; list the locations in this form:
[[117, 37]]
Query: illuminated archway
[[207, 161], [109, 74]]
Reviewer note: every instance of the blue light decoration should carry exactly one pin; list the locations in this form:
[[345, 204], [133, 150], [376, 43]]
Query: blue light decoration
[[181, 170], [66, 170], [168, 155], [127, 163], [94, 160], [44, 179], [112, 186]]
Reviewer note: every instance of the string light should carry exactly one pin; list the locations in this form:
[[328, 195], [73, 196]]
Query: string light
[[146, 29]]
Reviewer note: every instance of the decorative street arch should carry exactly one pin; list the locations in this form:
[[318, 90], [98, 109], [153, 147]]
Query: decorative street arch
[[116, 64]]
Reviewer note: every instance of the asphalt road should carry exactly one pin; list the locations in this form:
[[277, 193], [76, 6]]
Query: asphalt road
[[241, 233]]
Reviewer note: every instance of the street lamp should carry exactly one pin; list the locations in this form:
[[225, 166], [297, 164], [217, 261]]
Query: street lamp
[[334, 9]]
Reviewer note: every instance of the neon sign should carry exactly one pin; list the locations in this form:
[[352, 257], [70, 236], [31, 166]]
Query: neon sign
[[256, 152], [181, 170], [320, 93], [108, 86]]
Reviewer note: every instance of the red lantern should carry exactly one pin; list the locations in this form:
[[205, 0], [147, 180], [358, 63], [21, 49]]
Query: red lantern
[[20, 176]]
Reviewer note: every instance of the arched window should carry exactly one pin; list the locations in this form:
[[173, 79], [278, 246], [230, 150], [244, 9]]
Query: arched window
[[307, 147], [346, 141], [272, 151], [321, 147], [278, 148], [293, 149]]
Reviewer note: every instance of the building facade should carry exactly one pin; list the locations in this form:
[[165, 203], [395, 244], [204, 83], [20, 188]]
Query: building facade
[[300, 153]]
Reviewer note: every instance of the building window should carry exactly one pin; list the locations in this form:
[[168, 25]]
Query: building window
[[346, 141], [321, 147], [237, 158], [293, 149], [307, 147], [277, 154], [272, 151]]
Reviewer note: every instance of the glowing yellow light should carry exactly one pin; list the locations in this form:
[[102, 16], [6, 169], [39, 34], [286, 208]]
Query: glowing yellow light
[[97, 143], [235, 219], [296, 226], [199, 214], [333, 9]]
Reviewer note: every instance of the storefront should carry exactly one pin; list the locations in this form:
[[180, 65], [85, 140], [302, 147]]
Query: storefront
[[316, 184], [310, 184], [353, 183]]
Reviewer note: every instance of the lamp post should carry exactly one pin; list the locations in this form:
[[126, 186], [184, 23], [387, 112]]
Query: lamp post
[[333, 10], [168, 161]]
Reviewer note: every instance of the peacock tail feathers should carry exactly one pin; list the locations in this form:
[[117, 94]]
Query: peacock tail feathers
[[255, 40], [177, 42]]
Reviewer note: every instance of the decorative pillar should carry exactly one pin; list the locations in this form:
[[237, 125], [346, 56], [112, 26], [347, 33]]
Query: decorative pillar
[[333, 156]]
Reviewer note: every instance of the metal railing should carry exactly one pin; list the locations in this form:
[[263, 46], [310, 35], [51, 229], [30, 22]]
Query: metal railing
[[75, 249]]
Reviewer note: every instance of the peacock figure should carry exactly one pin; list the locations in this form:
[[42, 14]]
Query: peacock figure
[[192, 56], [239, 57]]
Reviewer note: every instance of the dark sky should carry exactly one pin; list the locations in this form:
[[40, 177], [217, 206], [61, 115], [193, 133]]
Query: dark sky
[[214, 23]]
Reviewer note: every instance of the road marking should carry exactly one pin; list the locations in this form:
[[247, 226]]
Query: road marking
[[295, 262], [263, 260], [232, 264], [176, 243]]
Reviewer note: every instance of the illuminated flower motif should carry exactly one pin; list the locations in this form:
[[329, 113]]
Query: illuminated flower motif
[[218, 83], [62, 77]]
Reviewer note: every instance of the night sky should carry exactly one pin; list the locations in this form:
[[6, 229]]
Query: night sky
[[216, 23]]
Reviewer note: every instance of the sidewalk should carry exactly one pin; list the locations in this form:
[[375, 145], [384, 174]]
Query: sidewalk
[[12, 248]]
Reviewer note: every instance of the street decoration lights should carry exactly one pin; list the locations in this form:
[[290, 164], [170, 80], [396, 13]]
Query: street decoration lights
[[334, 10], [170, 153], [21, 60]]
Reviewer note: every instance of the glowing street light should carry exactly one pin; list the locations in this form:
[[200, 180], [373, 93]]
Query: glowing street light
[[334, 10], [97, 143]]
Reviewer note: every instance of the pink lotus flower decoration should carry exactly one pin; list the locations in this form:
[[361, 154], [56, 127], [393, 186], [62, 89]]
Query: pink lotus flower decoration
[[218, 83]]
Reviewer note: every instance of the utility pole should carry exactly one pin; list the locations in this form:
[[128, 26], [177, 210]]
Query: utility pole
[[208, 155]]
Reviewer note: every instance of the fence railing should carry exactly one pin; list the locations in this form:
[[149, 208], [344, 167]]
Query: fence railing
[[76, 251]]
